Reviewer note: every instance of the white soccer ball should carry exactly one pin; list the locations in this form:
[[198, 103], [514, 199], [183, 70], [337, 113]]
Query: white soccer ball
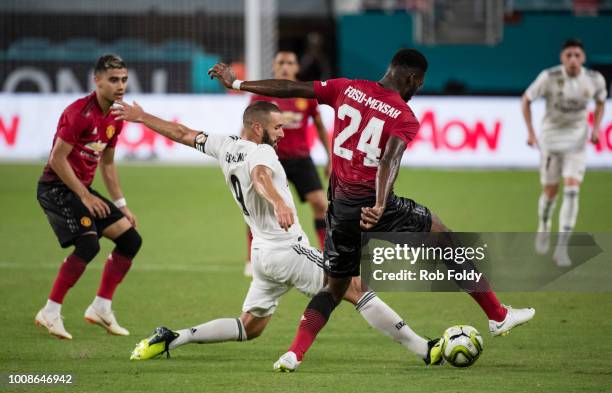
[[461, 345]]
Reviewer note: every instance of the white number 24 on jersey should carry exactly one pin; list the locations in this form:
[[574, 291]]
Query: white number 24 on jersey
[[368, 141]]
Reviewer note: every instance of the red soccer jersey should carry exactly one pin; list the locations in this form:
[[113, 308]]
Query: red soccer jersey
[[84, 126], [367, 114], [296, 112]]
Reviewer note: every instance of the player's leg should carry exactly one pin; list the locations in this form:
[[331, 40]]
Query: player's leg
[[339, 267], [72, 224], [550, 174], [574, 165], [383, 318], [127, 241], [501, 318], [318, 203]]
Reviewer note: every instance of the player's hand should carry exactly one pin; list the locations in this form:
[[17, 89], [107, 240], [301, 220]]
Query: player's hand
[[595, 137], [328, 168], [96, 206], [532, 140], [284, 216], [124, 111], [224, 73], [370, 216], [128, 214]]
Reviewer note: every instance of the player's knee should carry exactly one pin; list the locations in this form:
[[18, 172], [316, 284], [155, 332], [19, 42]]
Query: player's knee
[[128, 243], [86, 247], [570, 181], [437, 225]]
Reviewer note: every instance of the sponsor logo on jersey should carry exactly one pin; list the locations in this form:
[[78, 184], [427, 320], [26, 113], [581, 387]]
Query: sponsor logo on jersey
[[301, 104], [97, 146], [234, 158], [86, 222], [292, 120], [110, 131]]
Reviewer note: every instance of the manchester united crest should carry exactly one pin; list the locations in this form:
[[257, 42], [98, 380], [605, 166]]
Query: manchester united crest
[[110, 131], [86, 222], [301, 104]]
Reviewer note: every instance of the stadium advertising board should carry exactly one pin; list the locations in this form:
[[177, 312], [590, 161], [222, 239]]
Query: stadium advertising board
[[455, 131]]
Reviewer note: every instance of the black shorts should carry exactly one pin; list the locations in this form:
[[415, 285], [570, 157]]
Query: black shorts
[[68, 216], [343, 238], [303, 174]]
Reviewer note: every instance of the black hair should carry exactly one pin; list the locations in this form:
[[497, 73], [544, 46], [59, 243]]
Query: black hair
[[108, 61], [572, 42], [257, 110], [410, 58]]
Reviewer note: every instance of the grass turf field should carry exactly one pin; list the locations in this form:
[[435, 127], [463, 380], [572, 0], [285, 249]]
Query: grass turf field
[[190, 271]]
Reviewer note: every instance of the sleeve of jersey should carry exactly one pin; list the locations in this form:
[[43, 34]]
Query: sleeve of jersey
[[327, 91], [600, 93], [113, 142], [212, 145], [264, 155], [68, 127], [537, 87], [406, 130]]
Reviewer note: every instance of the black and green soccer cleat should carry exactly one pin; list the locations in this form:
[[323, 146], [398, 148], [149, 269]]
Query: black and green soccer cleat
[[155, 345], [434, 353]]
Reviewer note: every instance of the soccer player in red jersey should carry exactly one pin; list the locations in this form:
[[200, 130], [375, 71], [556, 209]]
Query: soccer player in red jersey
[[293, 150], [372, 129], [86, 136]]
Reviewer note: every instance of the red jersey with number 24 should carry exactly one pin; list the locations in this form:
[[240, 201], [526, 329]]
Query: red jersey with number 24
[[367, 115]]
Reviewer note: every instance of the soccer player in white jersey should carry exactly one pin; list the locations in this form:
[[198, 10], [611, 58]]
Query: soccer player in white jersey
[[281, 255], [567, 88]]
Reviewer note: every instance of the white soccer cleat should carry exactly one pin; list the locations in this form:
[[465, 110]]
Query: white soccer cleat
[[287, 363], [105, 319], [561, 257], [514, 317], [248, 269], [54, 322]]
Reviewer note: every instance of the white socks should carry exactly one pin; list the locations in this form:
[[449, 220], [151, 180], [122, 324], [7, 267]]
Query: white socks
[[218, 330], [52, 307], [102, 304], [545, 208], [382, 317], [569, 209]]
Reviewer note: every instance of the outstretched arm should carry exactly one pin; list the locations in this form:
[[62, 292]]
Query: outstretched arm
[[272, 87], [261, 176], [175, 131], [388, 169]]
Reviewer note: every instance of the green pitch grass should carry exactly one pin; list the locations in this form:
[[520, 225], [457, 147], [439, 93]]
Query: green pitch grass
[[190, 271]]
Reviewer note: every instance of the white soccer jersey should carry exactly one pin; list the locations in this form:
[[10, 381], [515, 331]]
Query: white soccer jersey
[[564, 127], [237, 158]]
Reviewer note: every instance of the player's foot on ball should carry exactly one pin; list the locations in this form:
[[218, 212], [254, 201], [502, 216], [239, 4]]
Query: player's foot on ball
[[287, 363], [248, 269], [105, 319], [434, 353], [542, 242], [54, 323], [514, 317], [154, 345]]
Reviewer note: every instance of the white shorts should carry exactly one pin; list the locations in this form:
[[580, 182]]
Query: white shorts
[[276, 271], [554, 166]]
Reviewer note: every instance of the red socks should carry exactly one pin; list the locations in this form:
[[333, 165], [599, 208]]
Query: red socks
[[490, 305], [115, 269], [312, 322], [69, 273]]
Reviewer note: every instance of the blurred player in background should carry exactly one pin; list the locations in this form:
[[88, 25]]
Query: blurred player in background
[[86, 136], [567, 88], [373, 126], [293, 150], [282, 255]]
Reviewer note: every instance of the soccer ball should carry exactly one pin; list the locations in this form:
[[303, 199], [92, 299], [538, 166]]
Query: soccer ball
[[461, 345]]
